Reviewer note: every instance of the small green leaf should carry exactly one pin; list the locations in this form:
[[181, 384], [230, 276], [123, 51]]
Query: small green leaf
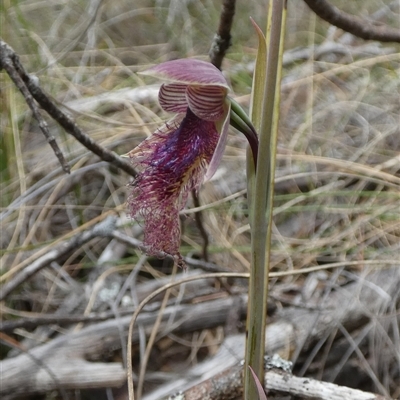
[[261, 393]]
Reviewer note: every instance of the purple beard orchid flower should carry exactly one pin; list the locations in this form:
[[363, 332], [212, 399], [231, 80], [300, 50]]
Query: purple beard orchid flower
[[183, 153]]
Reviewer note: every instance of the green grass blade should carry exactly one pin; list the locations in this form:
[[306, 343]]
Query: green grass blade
[[262, 200]]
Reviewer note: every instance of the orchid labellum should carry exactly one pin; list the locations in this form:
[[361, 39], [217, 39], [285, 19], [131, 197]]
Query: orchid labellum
[[184, 152]]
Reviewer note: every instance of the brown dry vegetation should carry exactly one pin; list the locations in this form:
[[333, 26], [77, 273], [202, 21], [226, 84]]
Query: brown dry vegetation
[[337, 202]]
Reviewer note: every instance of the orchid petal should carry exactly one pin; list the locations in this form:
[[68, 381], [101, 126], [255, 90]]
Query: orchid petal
[[222, 127], [188, 71], [173, 162], [172, 97], [145, 148], [207, 102]]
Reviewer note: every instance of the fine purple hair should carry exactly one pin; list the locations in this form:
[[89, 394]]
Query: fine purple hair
[[172, 162]]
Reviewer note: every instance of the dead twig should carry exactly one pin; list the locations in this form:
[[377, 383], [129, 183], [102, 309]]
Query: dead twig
[[60, 320], [222, 39], [356, 26], [228, 386], [198, 216], [9, 61], [202, 264]]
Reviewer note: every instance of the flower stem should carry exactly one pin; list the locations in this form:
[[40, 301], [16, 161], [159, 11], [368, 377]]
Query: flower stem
[[240, 121]]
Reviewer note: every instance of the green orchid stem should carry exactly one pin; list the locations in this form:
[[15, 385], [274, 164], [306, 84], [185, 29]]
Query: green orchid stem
[[240, 121], [262, 202]]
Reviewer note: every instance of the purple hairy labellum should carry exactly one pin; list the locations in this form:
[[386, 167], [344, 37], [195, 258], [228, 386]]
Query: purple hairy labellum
[[183, 153]]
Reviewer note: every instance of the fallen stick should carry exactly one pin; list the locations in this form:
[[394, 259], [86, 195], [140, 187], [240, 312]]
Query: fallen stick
[[228, 386]]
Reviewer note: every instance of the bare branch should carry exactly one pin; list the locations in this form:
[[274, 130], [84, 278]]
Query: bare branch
[[228, 385], [62, 118], [202, 264], [222, 39], [352, 24], [198, 215], [9, 61]]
